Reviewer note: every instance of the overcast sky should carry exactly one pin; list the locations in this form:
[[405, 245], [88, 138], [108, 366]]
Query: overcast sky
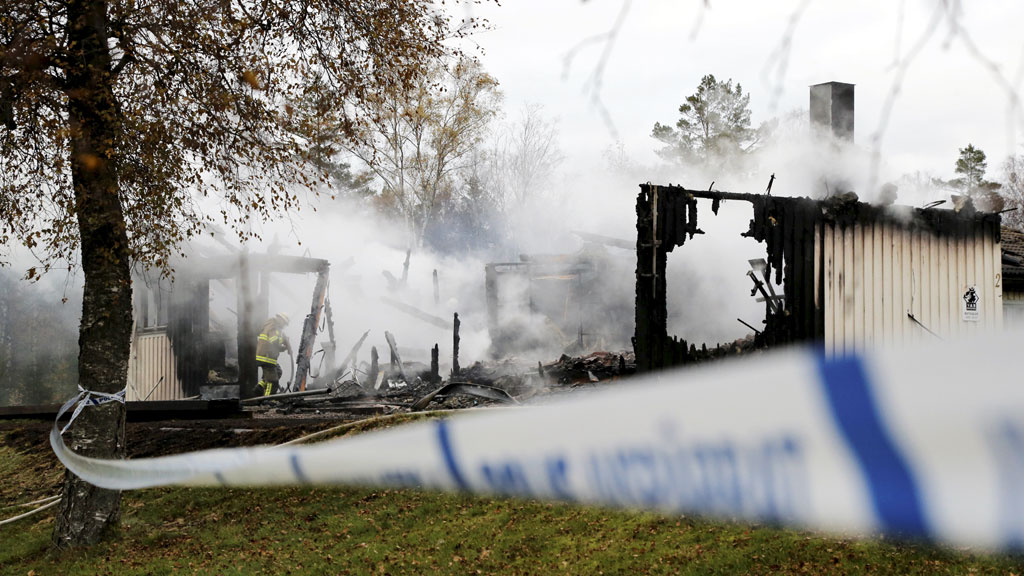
[[947, 100]]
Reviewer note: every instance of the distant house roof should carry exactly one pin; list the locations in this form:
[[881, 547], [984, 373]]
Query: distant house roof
[[1013, 259]]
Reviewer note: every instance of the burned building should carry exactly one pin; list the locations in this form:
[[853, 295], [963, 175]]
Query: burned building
[[852, 275], [182, 341]]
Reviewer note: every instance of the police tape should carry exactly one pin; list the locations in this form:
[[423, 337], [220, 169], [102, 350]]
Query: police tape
[[925, 442]]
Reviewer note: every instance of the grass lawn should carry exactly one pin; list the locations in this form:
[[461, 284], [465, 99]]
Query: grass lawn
[[367, 531]]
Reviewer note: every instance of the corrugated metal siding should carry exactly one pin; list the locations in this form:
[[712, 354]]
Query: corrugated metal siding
[[151, 368], [877, 272]]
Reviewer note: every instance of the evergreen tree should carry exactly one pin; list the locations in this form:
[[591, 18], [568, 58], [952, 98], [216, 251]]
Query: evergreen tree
[[713, 126], [972, 165]]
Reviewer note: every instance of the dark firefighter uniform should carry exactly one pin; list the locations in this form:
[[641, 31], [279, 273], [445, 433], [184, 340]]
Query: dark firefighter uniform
[[271, 343]]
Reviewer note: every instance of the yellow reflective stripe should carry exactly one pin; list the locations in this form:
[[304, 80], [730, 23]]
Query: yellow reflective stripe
[[266, 338], [265, 359]]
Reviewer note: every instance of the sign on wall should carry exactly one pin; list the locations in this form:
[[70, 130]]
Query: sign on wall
[[971, 306]]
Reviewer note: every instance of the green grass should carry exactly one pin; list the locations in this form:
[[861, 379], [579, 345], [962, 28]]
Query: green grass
[[366, 531]]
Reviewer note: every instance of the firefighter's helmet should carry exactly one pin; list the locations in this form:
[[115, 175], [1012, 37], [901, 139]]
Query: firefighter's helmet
[[282, 318]]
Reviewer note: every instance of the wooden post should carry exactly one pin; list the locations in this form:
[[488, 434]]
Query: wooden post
[[435, 370], [491, 293], [437, 293], [374, 366], [261, 301], [645, 340], [455, 347], [247, 370]]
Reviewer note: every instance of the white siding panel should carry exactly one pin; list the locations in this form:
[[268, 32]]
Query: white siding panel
[[829, 308], [874, 274], [943, 281], [885, 289], [848, 272], [151, 369], [934, 282]]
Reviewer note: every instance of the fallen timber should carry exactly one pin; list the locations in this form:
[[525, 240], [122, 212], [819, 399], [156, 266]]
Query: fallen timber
[[416, 313]]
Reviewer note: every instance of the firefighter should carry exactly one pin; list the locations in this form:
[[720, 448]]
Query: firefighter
[[271, 342]]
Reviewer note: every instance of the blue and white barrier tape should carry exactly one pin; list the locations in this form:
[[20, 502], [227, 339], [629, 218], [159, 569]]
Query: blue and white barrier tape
[[87, 398], [925, 442]]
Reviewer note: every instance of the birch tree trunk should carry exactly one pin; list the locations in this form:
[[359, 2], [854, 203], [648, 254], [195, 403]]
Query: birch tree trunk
[[104, 336]]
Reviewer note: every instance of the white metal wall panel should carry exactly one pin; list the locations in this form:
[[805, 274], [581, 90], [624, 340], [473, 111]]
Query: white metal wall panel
[[151, 371], [877, 273], [1013, 310]]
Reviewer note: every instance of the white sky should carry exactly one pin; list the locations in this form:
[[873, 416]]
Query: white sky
[[948, 98]]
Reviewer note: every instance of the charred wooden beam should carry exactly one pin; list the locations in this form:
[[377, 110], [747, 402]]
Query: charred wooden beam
[[650, 341], [435, 370], [330, 347], [756, 331], [456, 370], [286, 395], [405, 268], [228, 266], [415, 313], [330, 319], [467, 388], [374, 366], [351, 358]]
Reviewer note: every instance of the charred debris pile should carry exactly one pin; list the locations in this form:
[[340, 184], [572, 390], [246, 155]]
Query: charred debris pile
[[386, 386], [411, 386]]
